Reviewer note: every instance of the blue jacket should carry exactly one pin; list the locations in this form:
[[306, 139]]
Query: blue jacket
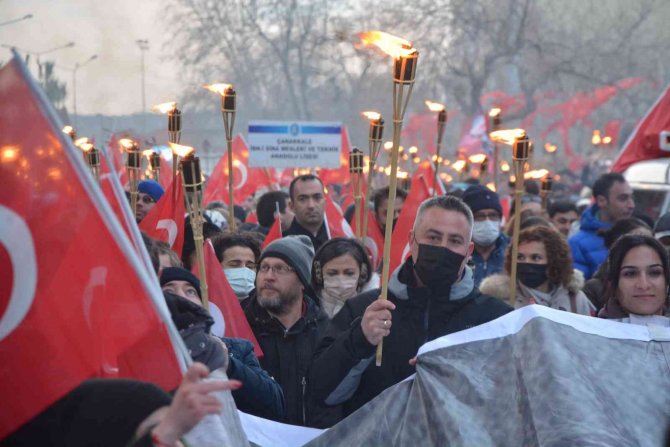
[[494, 264], [588, 248]]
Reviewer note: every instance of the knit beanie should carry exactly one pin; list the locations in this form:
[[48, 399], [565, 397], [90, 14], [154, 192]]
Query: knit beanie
[[179, 274], [151, 187], [662, 227], [479, 197], [296, 251]]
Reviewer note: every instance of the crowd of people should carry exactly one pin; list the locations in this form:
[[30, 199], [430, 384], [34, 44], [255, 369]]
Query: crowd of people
[[312, 300]]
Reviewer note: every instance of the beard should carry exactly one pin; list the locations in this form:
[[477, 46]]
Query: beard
[[279, 303]]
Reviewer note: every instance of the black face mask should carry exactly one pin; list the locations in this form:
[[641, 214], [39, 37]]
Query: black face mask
[[437, 267], [531, 275]]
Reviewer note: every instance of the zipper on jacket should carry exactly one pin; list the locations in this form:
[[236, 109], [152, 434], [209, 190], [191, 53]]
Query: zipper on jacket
[[304, 389]]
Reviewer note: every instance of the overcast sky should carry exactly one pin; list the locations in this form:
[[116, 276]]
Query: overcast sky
[[112, 83]]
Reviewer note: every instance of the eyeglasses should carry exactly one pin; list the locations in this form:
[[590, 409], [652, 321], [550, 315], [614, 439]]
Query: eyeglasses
[[146, 199], [480, 217], [276, 269]]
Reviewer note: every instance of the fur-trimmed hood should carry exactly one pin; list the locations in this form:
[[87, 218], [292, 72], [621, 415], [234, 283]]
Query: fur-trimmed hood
[[498, 285]]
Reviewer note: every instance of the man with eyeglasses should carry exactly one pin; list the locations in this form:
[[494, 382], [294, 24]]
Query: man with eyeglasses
[[287, 323], [308, 203], [490, 243], [148, 193]]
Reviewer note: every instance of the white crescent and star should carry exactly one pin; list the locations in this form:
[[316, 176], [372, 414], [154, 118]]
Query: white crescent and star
[[170, 226], [18, 241]]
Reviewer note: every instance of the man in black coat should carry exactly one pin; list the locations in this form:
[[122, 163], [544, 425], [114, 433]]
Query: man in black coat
[[432, 294]]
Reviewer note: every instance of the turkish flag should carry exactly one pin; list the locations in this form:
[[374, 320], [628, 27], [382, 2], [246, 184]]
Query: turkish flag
[[273, 234], [165, 173], [645, 142], [223, 303], [419, 191], [165, 221], [373, 240], [246, 180], [336, 225], [75, 300]]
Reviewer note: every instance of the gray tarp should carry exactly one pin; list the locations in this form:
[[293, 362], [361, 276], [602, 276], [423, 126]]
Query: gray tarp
[[547, 384]]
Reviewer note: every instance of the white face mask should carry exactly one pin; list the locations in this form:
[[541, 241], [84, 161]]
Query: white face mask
[[486, 232], [336, 290], [242, 280]]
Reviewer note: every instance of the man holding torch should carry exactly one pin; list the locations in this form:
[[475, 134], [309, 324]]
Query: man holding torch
[[432, 294]]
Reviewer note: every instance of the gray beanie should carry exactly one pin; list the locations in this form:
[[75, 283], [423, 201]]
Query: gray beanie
[[296, 251]]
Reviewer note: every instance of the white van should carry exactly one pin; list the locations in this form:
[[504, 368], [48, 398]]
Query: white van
[[650, 181]]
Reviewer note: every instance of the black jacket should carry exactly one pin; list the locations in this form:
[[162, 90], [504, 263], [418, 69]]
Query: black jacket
[[317, 241], [343, 370], [288, 356], [260, 395]]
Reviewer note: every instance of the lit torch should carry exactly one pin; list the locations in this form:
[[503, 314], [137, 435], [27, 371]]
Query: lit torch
[[92, 156], [69, 130], [154, 158], [355, 176], [546, 185], [520, 143], [133, 165], [552, 150], [495, 114], [375, 136], [174, 130], [192, 180], [228, 109], [441, 124], [404, 70]]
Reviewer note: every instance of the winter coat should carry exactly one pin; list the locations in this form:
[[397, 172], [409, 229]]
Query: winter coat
[[344, 372], [260, 395], [494, 264], [594, 288], [560, 298], [288, 357], [317, 241], [588, 248]]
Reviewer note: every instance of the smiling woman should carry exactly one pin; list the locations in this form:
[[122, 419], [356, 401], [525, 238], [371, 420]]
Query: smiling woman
[[637, 284]]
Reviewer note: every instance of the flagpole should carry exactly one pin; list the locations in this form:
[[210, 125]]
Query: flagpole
[[375, 136]]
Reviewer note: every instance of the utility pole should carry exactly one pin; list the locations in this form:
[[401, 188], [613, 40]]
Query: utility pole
[[143, 44]]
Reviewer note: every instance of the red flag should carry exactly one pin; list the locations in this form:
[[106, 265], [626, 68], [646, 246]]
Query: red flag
[[165, 221], [336, 225], [75, 301], [645, 142], [274, 233], [165, 173], [223, 301], [419, 192], [373, 240], [246, 180], [252, 218]]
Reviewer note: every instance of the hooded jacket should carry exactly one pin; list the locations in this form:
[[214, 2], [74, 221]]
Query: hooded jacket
[[498, 287], [343, 371], [259, 395], [588, 248], [288, 357]]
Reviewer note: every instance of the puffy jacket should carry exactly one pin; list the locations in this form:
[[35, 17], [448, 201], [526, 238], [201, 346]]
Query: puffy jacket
[[343, 371], [494, 264], [288, 357], [588, 248], [260, 395]]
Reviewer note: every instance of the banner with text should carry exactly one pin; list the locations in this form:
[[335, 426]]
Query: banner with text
[[290, 144]]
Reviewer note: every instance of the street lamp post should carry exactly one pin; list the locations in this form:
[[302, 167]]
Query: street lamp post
[[143, 44]]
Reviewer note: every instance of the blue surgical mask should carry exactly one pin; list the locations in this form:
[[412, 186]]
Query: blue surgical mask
[[486, 232], [242, 280]]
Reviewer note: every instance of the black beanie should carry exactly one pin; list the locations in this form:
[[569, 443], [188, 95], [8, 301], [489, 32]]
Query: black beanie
[[179, 274], [296, 251], [479, 197]]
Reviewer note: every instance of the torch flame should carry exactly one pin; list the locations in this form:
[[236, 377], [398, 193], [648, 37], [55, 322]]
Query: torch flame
[[164, 107], [550, 148], [372, 115], [458, 165], [607, 139], [86, 147], [596, 138], [68, 130], [395, 47], [508, 136], [491, 186], [504, 166], [434, 106], [147, 153], [180, 149], [221, 89], [477, 158], [536, 174], [494, 112], [79, 141], [127, 143]]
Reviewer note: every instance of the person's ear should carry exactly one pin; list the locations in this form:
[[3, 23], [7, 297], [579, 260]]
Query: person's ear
[[601, 201]]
